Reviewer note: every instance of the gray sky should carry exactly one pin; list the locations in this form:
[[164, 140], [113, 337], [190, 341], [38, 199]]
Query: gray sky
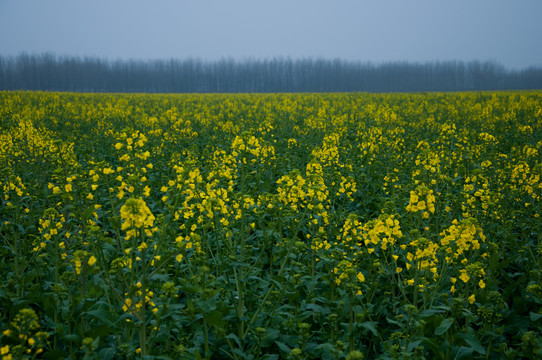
[[507, 31]]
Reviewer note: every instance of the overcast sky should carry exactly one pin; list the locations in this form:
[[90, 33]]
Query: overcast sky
[[506, 31]]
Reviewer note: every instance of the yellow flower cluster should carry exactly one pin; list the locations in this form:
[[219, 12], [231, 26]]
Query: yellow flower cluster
[[458, 242], [345, 270], [24, 330], [311, 192], [479, 199], [135, 214], [422, 200], [224, 170], [527, 180], [50, 225], [328, 154], [134, 304], [379, 233], [424, 256], [347, 186], [291, 189], [23, 141], [461, 238], [13, 184], [248, 149]]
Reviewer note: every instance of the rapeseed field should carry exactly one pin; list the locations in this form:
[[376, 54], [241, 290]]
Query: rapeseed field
[[283, 226]]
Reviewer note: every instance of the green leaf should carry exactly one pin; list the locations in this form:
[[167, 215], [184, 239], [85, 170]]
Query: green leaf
[[269, 337], [371, 326], [102, 315], [535, 316], [318, 309], [72, 337], [283, 347], [109, 248], [270, 357], [207, 305], [464, 352], [234, 337], [100, 311], [429, 312], [215, 318], [391, 321], [327, 351], [88, 213], [471, 339], [414, 344], [55, 354], [444, 326], [241, 353], [430, 343]]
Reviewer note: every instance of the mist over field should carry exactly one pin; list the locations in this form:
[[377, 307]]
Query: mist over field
[[53, 73]]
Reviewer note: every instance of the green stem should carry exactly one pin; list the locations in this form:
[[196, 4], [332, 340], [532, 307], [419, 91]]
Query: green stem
[[142, 327]]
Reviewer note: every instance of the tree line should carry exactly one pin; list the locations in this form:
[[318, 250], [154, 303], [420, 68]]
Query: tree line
[[50, 72]]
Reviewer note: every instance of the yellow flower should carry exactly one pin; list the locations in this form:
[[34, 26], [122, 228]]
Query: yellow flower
[[135, 212], [92, 260], [127, 305], [472, 299], [482, 284], [421, 205], [68, 188], [360, 277], [464, 276], [146, 191]]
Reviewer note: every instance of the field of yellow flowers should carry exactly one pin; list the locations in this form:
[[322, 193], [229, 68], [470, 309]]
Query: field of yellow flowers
[[295, 226]]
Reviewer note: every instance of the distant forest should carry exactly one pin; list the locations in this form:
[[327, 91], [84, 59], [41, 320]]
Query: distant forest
[[64, 73]]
